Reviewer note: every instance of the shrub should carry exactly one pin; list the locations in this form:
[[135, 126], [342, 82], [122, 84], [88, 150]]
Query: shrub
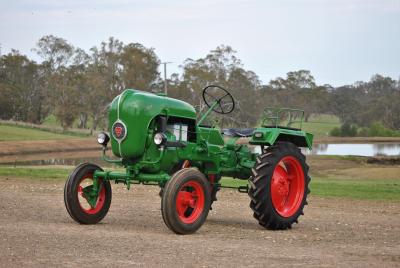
[[335, 132], [348, 130], [363, 132], [377, 129]]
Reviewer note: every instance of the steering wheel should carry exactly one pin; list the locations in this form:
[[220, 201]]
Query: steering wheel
[[212, 94]]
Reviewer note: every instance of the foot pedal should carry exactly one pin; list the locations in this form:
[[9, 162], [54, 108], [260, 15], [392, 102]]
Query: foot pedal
[[120, 181], [243, 189]]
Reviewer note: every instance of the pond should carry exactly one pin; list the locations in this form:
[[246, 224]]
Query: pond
[[362, 149], [378, 149]]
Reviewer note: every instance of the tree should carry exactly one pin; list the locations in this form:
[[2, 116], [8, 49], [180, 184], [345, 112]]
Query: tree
[[221, 67], [66, 96], [60, 79], [139, 67], [297, 90], [104, 78], [21, 88], [297, 80], [244, 86], [7, 105], [56, 52], [76, 85], [80, 63]]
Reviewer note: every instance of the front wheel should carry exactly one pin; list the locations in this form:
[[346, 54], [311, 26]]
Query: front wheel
[[279, 186], [186, 201], [84, 204]]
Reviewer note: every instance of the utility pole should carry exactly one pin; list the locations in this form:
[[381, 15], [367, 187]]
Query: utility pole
[[0, 49], [165, 76]]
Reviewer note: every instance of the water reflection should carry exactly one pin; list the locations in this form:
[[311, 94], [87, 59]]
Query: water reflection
[[378, 149], [384, 149]]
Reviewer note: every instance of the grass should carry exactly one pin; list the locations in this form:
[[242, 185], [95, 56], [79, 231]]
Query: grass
[[321, 125], [354, 189], [18, 133], [40, 173], [52, 121], [348, 177], [344, 157], [318, 124], [360, 189]]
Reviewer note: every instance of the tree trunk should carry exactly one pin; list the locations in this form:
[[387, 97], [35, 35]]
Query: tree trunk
[[306, 117], [94, 125], [83, 120]]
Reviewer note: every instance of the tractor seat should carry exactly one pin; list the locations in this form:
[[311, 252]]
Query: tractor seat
[[238, 132]]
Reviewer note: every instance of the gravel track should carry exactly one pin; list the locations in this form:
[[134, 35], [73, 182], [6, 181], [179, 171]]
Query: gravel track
[[35, 230]]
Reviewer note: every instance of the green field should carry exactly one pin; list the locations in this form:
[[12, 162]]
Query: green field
[[51, 121], [37, 173], [17, 133], [321, 125], [355, 188]]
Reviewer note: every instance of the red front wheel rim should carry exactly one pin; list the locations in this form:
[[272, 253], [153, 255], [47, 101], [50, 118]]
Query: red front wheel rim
[[190, 202], [287, 186], [87, 181]]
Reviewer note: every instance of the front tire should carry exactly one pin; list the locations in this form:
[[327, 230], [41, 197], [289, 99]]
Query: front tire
[[186, 201], [279, 186], [75, 195]]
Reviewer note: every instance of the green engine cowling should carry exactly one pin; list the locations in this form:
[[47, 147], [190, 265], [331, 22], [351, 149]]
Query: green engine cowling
[[130, 115]]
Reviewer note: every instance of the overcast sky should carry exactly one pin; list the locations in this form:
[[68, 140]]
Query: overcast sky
[[340, 41]]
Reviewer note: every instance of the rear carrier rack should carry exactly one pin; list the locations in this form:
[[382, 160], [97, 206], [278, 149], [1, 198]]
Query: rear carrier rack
[[286, 118]]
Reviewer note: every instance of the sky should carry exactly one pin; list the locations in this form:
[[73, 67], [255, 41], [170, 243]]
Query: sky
[[339, 41]]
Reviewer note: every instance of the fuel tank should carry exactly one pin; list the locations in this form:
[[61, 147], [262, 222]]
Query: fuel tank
[[130, 115]]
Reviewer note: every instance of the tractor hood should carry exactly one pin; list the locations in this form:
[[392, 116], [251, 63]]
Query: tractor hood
[[130, 115]]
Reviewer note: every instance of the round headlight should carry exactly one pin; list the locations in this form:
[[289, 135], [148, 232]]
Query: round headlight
[[159, 138], [103, 138]]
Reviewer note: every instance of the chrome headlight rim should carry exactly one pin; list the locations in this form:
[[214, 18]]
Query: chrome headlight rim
[[159, 139], [103, 138]]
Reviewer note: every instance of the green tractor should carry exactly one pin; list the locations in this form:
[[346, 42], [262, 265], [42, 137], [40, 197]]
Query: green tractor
[[160, 141]]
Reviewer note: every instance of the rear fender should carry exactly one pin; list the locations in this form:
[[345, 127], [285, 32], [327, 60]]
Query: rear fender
[[269, 136]]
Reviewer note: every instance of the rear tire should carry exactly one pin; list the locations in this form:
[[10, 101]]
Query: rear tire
[[186, 201], [77, 206], [279, 186]]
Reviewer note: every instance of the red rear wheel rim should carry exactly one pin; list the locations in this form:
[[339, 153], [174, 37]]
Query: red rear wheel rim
[[287, 186], [87, 180], [190, 202]]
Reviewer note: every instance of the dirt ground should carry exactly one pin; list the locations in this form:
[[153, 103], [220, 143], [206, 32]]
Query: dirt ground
[[35, 230]]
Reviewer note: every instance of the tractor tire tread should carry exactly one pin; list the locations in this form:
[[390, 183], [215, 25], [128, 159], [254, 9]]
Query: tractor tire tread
[[168, 202], [71, 203], [260, 200]]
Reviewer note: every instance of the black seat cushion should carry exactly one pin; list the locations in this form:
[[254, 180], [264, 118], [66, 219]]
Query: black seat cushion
[[282, 127], [238, 132]]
